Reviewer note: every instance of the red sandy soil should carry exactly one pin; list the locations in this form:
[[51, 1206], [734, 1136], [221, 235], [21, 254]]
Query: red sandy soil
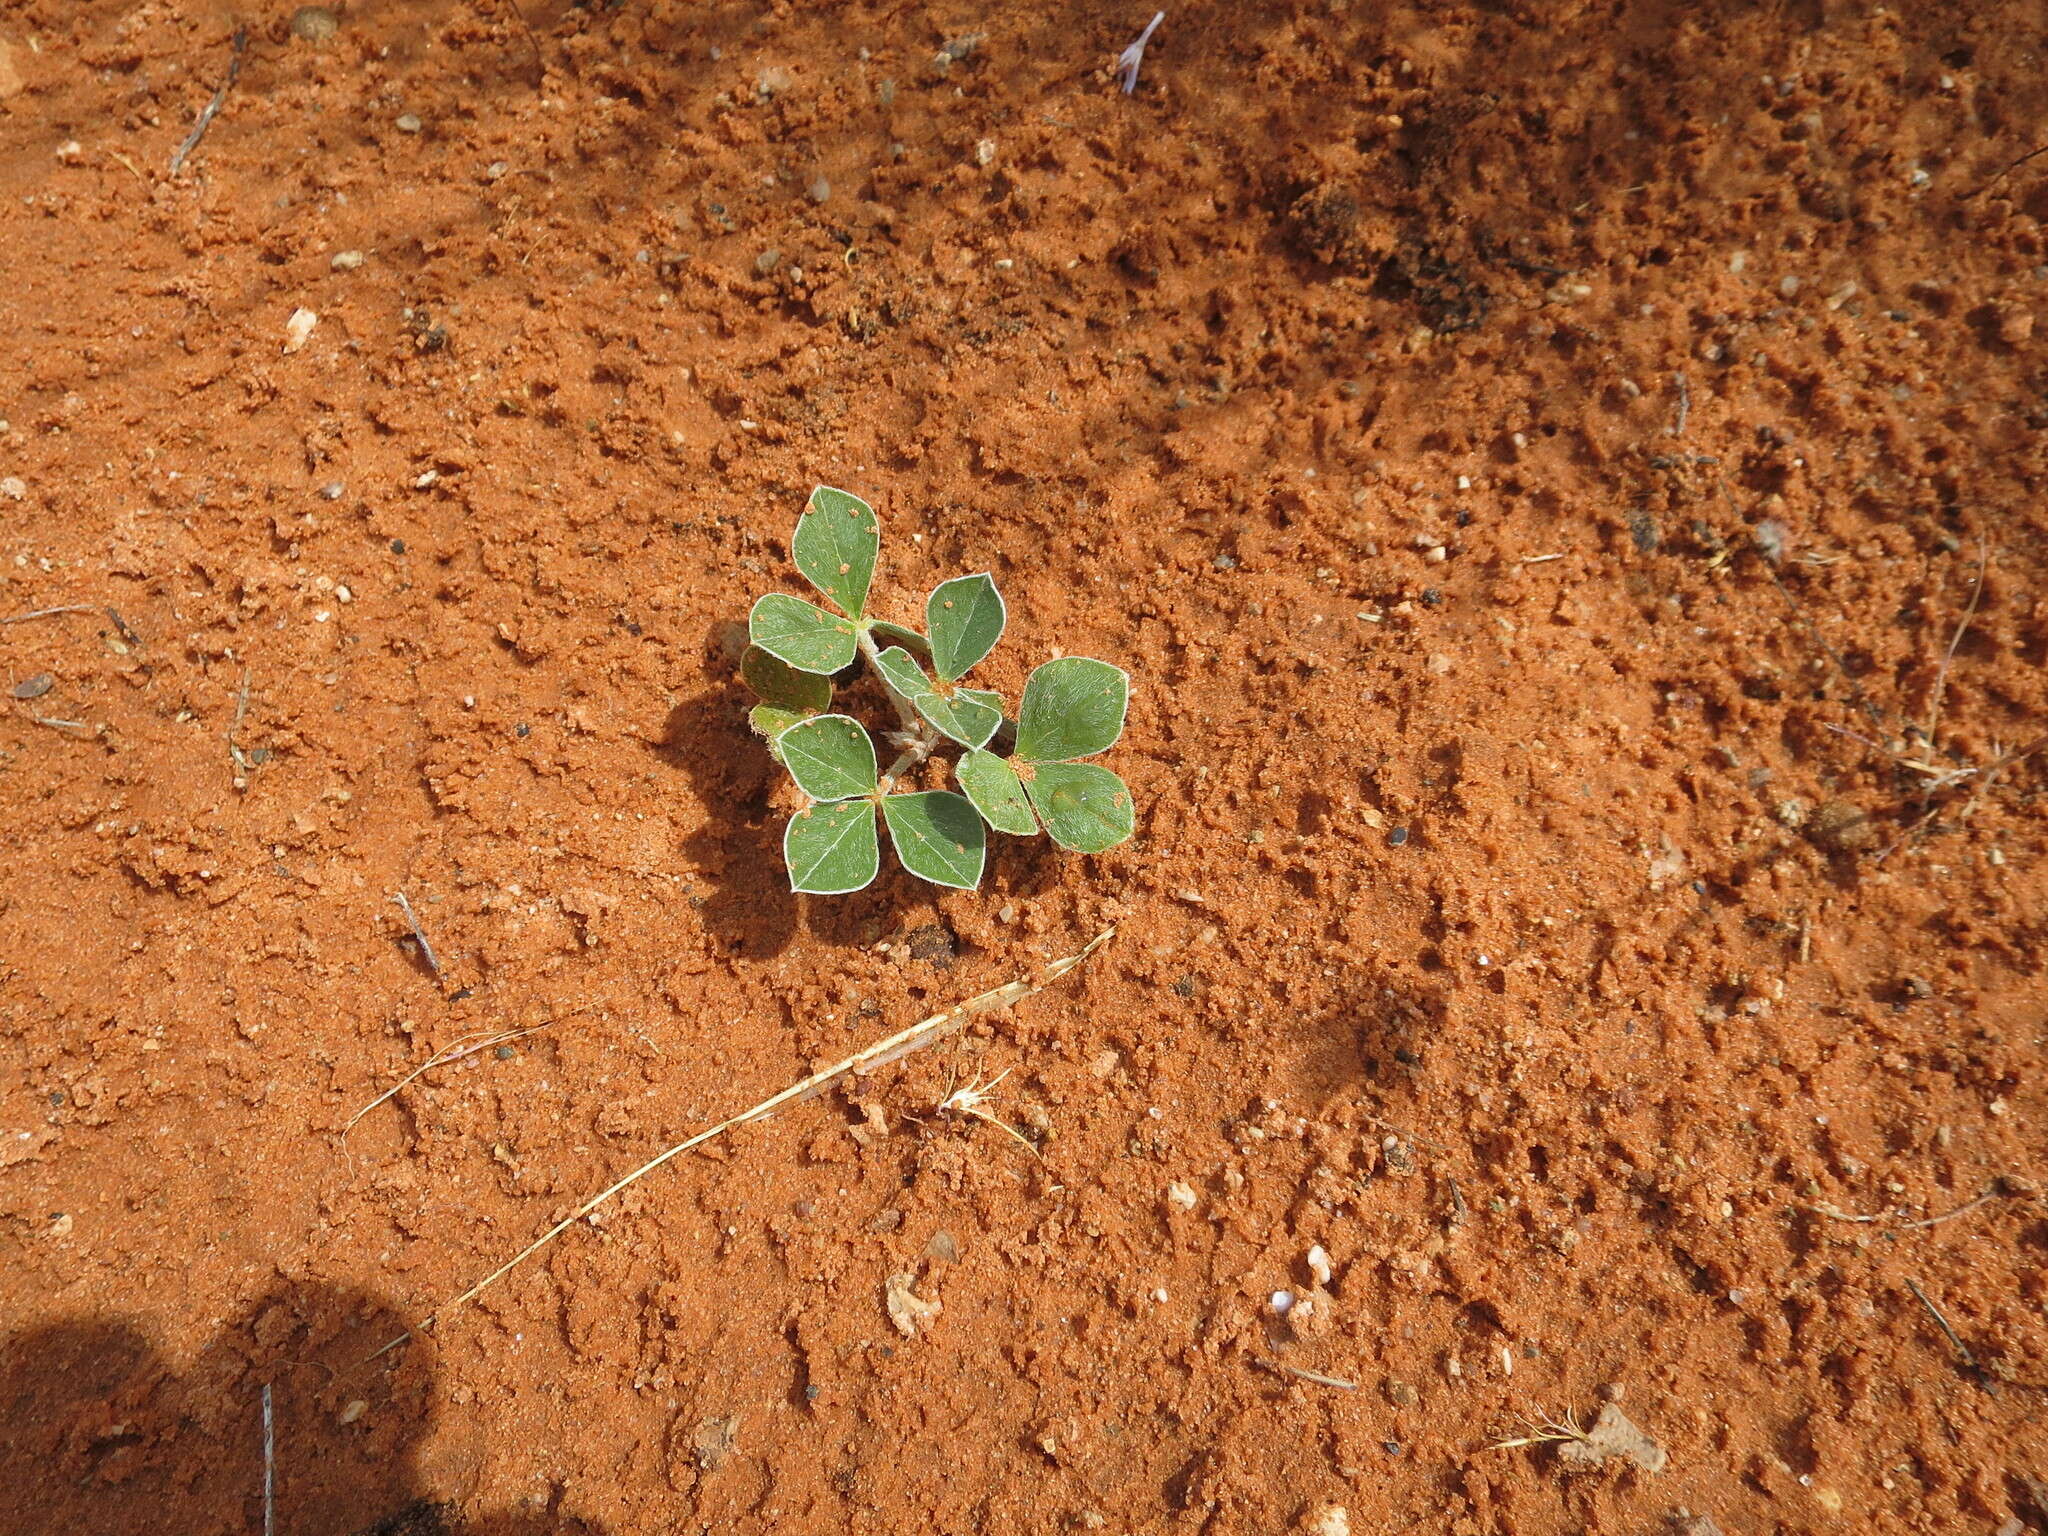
[[1568, 483]]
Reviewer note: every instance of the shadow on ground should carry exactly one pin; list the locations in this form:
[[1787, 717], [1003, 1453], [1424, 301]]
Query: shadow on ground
[[104, 1434]]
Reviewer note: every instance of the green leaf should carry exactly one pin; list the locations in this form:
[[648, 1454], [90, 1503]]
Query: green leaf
[[832, 849], [1085, 806], [775, 682], [831, 757], [902, 672], [997, 793], [967, 717], [771, 721], [938, 837], [808, 638], [1072, 707], [965, 617], [835, 547], [897, 634]]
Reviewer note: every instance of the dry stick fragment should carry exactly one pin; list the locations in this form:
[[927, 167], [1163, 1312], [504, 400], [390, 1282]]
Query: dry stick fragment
[[211, 110], [1962, 1350], [127, 630], [269, 1467], [419, 934], [876, 1056]]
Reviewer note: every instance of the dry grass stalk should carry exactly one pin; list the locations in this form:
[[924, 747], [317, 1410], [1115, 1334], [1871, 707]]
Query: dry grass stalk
[[1544, 1430], [448, 1055], [969, 1101], [875, 1057]]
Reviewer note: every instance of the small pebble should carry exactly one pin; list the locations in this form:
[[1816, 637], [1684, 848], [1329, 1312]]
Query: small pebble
[[34, 687], [314, 24], [767, 261], [298, 329], [332, 491], [820, 190], [1397, 837], [70, 152], [985, 152], [408, 123], [345, 261], [1319, 1264], [355, 1410], [13, 488]]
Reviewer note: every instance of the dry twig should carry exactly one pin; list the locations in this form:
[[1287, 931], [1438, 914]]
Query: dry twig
[[419, 934], [873, 1058], [211, 110], [269, 1466]]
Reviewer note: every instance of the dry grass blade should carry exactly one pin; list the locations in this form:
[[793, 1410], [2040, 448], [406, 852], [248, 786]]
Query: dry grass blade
[[44, 613], [876, 1056], [448, 1055], [969, 1101], [1280, 1367], [1954, 643]]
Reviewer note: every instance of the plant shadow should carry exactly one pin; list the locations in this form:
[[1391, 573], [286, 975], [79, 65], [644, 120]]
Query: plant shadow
[[105, 1434]]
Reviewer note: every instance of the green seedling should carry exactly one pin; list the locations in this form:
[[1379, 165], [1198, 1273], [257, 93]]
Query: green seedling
[[1072, 708]]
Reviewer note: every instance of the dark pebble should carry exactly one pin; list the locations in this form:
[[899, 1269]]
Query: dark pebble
[[506, 1053], [398, 546], [1397, 837], [34, 687], [522, 730]]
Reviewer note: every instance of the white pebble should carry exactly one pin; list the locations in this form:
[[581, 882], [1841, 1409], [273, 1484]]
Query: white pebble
[[1319, 1264], [1282, 1303], [298, 328]]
